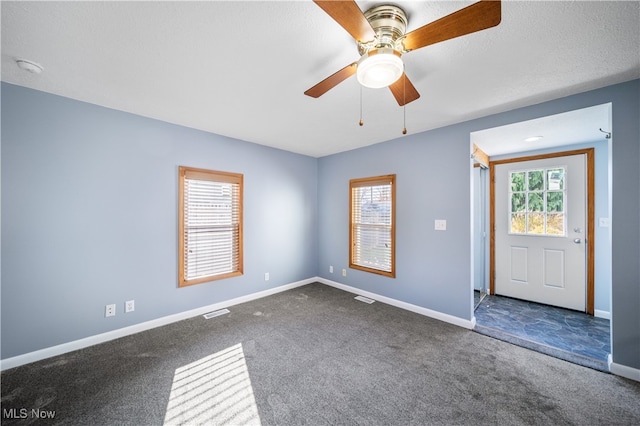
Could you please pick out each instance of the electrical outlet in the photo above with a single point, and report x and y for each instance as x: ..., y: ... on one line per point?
x: 129, y: 306
x: 344, y: 272
x: 331, y: 269
x: 110, y: 310
x: 266, y: 276
x: 440, y: 225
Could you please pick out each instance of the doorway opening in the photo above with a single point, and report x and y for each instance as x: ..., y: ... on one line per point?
x: 577, y: 132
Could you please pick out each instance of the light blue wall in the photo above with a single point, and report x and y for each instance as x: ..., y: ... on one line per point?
x: 432, y: 177
x: 625, y: 222
x: 89, y: 217
x: 76, y: 235
x: 602, y: 266
x: 433, y: 182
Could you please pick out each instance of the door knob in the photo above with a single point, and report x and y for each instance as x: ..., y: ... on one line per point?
x: 577, y: 241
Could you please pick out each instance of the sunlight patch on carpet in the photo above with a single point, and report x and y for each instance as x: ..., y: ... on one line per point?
x: 215, y: 389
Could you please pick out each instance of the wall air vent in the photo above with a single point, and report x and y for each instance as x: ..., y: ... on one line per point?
x: 216, y: 313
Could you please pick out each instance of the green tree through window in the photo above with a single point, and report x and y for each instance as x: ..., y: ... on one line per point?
x: 537, y: 202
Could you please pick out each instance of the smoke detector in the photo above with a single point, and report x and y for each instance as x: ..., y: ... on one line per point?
x: 29, y: 66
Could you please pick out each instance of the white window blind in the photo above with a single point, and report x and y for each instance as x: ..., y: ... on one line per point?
x: 372, y: 224
x: 211, y: 225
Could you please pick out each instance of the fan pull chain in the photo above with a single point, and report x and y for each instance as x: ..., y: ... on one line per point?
x: 404, y: 103
x: 361, y: 123
x: 404, y: 118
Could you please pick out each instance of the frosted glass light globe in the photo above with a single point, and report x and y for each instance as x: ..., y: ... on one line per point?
x: 379, y: 68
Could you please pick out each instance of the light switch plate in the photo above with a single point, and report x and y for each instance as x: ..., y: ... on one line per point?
x: 440, y: 225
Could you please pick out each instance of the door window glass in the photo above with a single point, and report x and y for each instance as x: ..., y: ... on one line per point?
x: 537, y: 202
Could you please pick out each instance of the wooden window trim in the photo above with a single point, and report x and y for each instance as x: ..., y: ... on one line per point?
x: 374, y: 181
x: 215, y: 176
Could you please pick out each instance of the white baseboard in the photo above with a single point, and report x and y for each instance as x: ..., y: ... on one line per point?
x: 468, y: 324
x: 623, y: 370
x: 41, y: 354
x: 5, y: 364
x: 602, y: 314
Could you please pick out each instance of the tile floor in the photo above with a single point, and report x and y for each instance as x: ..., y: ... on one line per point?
x: 566, y: 334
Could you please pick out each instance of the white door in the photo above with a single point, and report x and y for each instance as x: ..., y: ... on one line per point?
x: 540, y: 225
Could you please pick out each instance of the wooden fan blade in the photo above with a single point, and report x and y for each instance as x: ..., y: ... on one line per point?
x: 350, y: 17
x: 332, y: 81
x: 404, y: 91
x: 479, y: 16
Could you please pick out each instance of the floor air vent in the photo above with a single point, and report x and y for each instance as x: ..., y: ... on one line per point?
x: 216, y: 313
x: 364, y: 299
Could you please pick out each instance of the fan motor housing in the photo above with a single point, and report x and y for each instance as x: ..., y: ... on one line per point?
x: 390, y: 24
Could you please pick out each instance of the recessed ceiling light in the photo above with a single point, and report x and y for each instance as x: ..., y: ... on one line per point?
x: 533, y: 138
x: 29, y: 66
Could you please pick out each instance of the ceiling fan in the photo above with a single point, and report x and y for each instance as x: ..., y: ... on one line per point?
x: 381, y: 39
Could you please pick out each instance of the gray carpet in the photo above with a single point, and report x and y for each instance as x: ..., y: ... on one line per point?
x: 314, y: 356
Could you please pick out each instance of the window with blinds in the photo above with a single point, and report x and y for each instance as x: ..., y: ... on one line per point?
x: 372, y: 225
x: 210, y: 210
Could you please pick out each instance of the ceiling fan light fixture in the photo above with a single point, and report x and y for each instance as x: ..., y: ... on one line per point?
x: 379, y: 68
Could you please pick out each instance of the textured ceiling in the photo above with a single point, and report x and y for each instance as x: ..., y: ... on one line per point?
x: 240, y: 68
x: 589, y: 124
